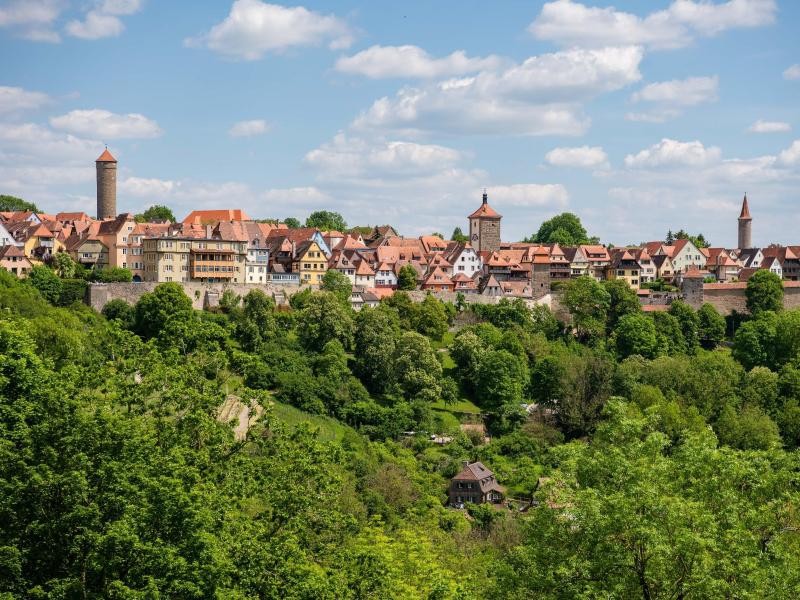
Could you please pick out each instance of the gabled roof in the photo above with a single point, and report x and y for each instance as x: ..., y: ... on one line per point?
x: 437, y: 277
x: 206, y: 217
x: 72, y: 216
x: 364, y: 269
x: 113, y: 226
x: 10, y: 251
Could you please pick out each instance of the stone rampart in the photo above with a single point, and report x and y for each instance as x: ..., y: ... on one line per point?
x: 203, y: 295
x: 419, y: 296
x: 730, y: 297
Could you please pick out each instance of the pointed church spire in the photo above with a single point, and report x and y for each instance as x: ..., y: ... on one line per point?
x: 745, y: 214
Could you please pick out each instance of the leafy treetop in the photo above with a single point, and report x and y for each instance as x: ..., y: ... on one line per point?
x: 12, y: 203
x: 326, y: 220
x: 565, y: 229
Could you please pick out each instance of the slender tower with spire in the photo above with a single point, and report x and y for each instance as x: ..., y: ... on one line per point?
x: 745, y: 227
x: 106, y: 185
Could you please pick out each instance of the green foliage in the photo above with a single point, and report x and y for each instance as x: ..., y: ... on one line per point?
x: 711, y: 326
x: 565, y: 229
x: 322, y: 319
x: 157, y: 212
x: 622, y: 301
x: 764, y: 292
x: 417, y: 372
x: 337, y: 284
x: 689, y: 323
x: 459, y: 236
x: 112, y: 275
x: 155, y: 308
x: 292, y: 223
x: 63, y: 265
x: 121, y: 311
x: 376, y: 332
x: 588, y: 303
x: 12, y: 204
x: 326, y: 220
x: 46, y: 282
x: 407, y: 278
x: 636, y: 334
x: 72, y: 291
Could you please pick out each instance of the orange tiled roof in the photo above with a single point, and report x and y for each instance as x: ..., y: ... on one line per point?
x: 106, y: 157
x: 205, y: 217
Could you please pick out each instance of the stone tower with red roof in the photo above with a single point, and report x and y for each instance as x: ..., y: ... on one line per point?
x: 106, y: 185
x: 484, y: 227
x: 745, y: 227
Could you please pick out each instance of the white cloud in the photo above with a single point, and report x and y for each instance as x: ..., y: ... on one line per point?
x: 790, y: 156
x: 106, y: 125
x: 103, y: 20
x: 13, y: 99
x: 254, y: 28
x: 680, y: 92
x: 347, y: 157
x: 582, y: 157
x: 570, y: 23
x: 769, y: 127
x: 551, y: 196
x: 540, y: 96
x: 383, y: 62
x: 29, y: 143
x: 296, y: 196
x: 147, y: 187
x: 32, y: 19
x: 792, y: 72
x: 669, y: 98
x: 670, y: 153
x: 249, y: 128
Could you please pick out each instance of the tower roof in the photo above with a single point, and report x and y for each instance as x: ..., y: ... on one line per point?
x: 106, y: 156
x: 745, y: 214
x: 485, y: 210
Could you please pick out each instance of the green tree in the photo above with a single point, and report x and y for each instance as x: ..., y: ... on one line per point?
x: 787, y: 337
x: 588, y: 303
x: 155, y: 308
x: 338, y: 284
x: 323, y: 319
x: 63, y: 265
x: 501, y: 381
x: 157, y: 212
x: 14, y: 204
x: 43, y: 279
x: 565, y: 228
x: 622, y: 301
x: 292, y: 223
x: 112, y: 275
x: 636, y: 334
x: 669, y: 333
x: 407, y: 278
x: 121, y: 311
x: 754, y: 342
x: 430, y: 318
x: 711, y: 326
x: 376, y: 333
x: 689, y: 323
x: 459, y: 236
x: 326, y: 220
x: 417, y: 371
x: 764, y: 292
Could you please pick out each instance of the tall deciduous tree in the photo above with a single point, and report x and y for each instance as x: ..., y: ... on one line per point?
x: 565, y: 228
x: 622, y: 301
x: 12, y: 204
x: 326, y: 220
x: 711, y: 326
x: 376, y: 334
x: 407, y: 278
x: 337, y: 284
x: 323, y: 319
x: 155, y: 308
x: 417, y: 371
x: 635, y: 334
x: 157, y: 212
x: 588, y: 303
x: 764, y: 292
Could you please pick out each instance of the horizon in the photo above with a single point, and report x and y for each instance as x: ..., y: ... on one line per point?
x: 403, y: 114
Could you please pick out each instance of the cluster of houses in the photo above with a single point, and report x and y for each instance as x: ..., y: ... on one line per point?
x: 228, y: 246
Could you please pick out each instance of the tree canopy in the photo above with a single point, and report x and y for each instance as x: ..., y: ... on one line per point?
x: 764, y: 292
x: 12, y: 203
x: 565, y: 229
x: 326, y: 220
x: 155, y: 213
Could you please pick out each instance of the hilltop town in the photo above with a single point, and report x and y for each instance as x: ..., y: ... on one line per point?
x: 227, y: 246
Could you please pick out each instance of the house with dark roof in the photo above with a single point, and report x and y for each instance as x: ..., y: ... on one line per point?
x: 475, y: 483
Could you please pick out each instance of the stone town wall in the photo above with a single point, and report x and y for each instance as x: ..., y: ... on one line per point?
x: 203, y: 295
x: 729, y: 297
x: 419, y: 296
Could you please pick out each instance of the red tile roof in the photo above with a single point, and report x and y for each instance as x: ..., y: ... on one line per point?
x: 485, y: 211
x: 745, y: 214
x: 106, y: 157
x: 205, y: 217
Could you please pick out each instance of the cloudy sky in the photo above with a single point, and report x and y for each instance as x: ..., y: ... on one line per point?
x: 637, y: 116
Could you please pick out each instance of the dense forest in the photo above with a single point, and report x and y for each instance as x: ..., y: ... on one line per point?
x: 646, y: 455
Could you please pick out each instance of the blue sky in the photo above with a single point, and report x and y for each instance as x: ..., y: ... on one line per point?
x: 637, y: 116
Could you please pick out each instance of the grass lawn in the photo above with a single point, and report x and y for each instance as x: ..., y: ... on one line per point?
x: 329, y: 429
x: 462, y: 406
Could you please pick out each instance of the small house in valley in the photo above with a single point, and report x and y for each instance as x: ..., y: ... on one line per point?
x: 475, y: 483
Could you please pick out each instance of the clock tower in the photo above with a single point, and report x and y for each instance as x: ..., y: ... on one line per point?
x: 484, y: 227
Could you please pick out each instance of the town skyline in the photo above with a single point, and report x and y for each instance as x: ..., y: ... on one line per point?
x: 664, y: 125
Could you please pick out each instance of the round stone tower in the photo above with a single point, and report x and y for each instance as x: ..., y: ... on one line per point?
x: 745, y: 227
x: 106, y: 185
